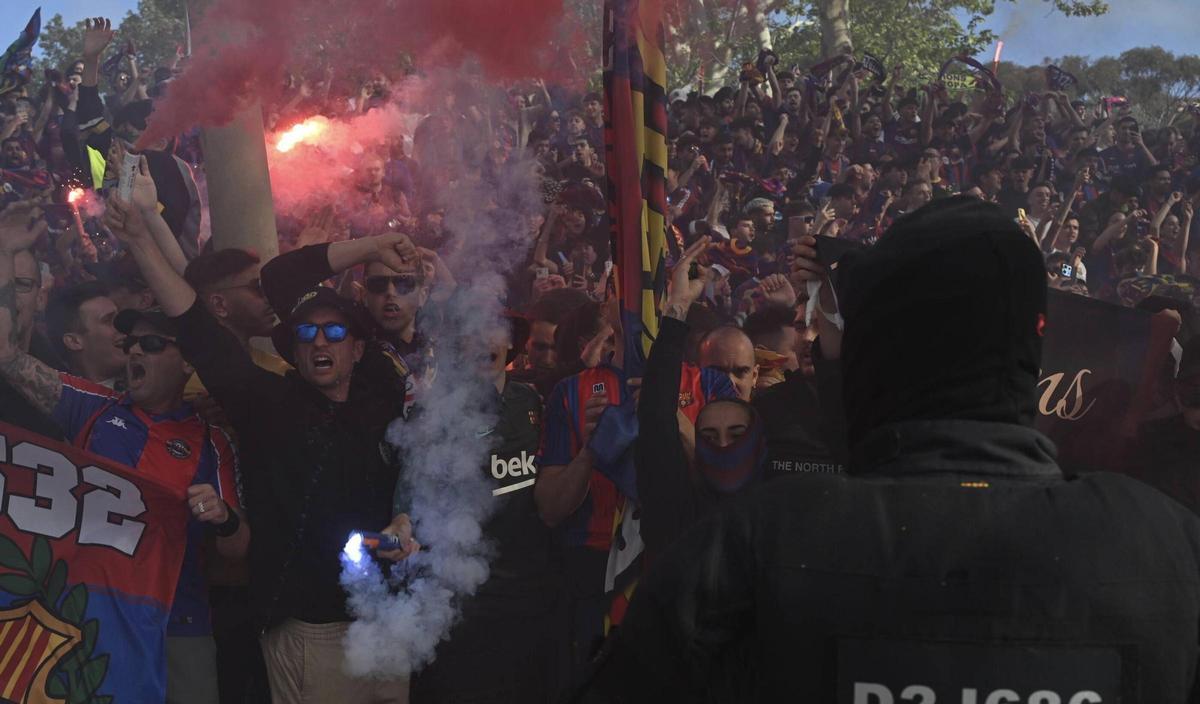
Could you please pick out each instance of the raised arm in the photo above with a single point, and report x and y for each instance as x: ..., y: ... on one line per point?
x: 20, y: 226
x: 44, y: 114
x: 662, y: 462
x: 1115, y: 226
x: 144, y: 197
x: 978, y: 132
x: 1064, y: 210
x: 288, y: 276
x: 1064, y: 107
x: 1014, y: 130
x: 776, y: 143
x: 742, y: 96
x: 542, y: 247
x: 132, y: 226
x: 1141, y: 145
x: 927, y: 115
x: 133, y: 92
x: 1186, y: 224
x: 224, y: 366
x: 97, y: 35
x: 713, y: 217
x: 855, y: 121
x: 773, y: 81
x: 893, y: 84
x: 89, y: 109
x: 1164, y: 211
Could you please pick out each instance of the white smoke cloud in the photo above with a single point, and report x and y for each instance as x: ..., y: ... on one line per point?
x: 445, y: 443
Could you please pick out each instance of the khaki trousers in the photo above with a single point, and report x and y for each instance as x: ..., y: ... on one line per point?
x: 305, y: 665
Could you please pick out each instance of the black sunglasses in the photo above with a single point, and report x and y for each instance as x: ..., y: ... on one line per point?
x: 379, y: 284
x: 150, y: 344
x: 255, y: 286
x: 334, y: 332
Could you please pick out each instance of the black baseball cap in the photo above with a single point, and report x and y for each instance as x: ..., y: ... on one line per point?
x: 128, y: 319
x: 320, y: 297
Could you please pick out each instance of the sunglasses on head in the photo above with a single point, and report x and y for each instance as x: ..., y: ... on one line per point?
x: 334, y: 332
x: 150, y: 344
x: 379, y: 284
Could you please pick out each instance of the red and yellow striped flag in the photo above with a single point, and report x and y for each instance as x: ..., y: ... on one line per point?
x: 635, y: 79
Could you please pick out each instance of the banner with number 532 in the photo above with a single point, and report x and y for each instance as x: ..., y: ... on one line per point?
x: 90, y: 552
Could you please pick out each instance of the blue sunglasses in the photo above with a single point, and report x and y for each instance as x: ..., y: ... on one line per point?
x: 334, y: 332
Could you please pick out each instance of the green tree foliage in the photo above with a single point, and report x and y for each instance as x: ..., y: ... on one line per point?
x: 1159, y: 84
x: 920, y: 34
x: 711, y: 38
x: 156, y: 28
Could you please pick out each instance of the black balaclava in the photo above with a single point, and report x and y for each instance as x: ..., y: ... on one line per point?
x: 944, y: 318
x: 730, y: 469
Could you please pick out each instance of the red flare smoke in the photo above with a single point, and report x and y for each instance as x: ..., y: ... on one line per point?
x: 244, y: 48
x: 307, y: 132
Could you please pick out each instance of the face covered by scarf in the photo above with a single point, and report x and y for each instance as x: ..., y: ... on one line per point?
x: 730, y: 468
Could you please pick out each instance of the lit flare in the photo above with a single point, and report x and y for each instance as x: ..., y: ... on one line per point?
x: 306, y: 132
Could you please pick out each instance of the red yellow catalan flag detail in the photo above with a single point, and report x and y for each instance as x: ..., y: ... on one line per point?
x: 32, y: 641
x: 635, y: 78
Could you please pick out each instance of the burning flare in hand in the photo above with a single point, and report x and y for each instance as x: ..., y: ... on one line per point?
x: 306, y: 132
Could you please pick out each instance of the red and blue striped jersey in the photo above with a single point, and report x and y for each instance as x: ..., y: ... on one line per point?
x: 562, y: 439
x: 178, y: 449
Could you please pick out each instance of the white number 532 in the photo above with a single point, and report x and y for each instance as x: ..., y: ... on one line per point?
x: 104, y: 514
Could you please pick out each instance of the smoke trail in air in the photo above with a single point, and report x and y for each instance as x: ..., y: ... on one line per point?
x: 446, y: 441
x: 243, y: 49
x: 461, y: 50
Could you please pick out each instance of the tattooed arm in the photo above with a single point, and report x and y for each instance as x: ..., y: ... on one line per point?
x: 39, y: 384
x: 20, y: 225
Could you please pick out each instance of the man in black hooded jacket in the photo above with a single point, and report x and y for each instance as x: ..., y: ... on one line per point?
x: 954, y: 563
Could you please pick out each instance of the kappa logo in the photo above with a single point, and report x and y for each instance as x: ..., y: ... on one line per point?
x: 118, y: 422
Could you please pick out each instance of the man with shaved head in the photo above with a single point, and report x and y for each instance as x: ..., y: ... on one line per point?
x: 729, y: 350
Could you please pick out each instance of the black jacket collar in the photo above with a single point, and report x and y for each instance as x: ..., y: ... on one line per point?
x: 957, y: 447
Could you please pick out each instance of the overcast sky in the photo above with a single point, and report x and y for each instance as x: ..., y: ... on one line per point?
x: 1029, y: 31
